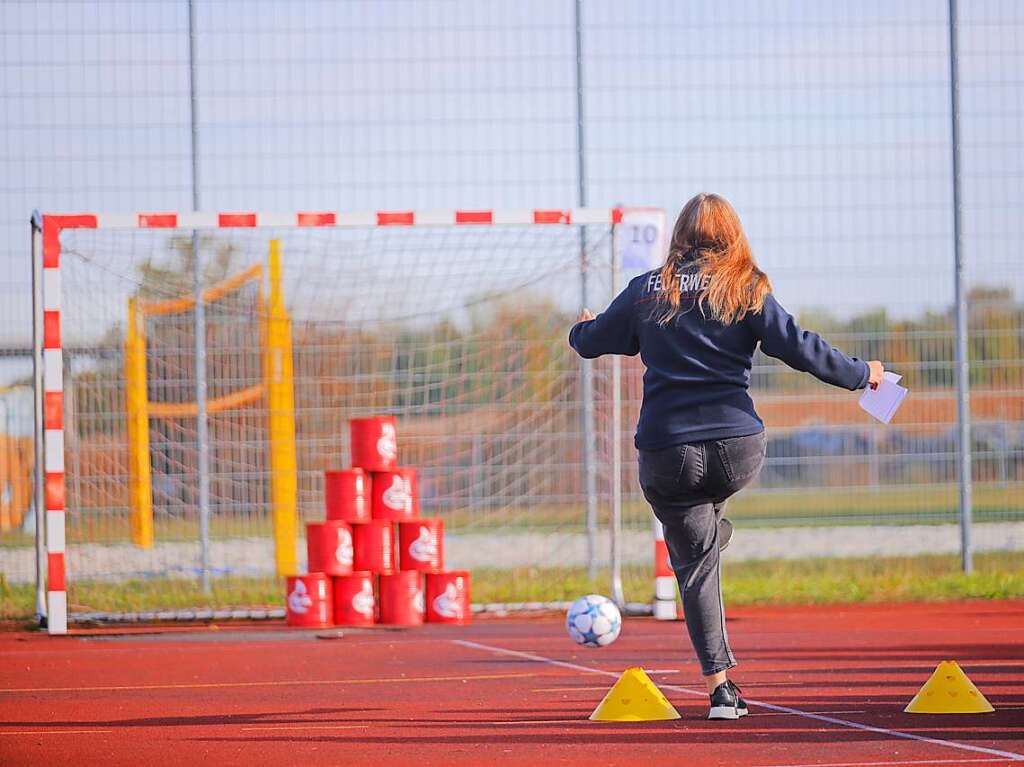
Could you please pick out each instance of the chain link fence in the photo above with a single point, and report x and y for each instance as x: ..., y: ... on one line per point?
x: 826, y: 124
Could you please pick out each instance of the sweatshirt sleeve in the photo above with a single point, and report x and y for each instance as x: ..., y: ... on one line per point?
x: 804, y: 350
x: 613, y: 331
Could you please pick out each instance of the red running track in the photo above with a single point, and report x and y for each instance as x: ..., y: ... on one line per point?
x: 831, y: 683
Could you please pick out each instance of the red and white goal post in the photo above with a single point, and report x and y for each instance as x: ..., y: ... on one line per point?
x: 50, y: 230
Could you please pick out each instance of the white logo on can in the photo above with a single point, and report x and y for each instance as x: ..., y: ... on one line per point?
x: 387, y: 443
x: 419, y: 602
x: 299, y: 600
x: 424, y: 548
x: 446, y: 604
x: 344, y: 552
x: 398, y: 497
x: 362, y: 601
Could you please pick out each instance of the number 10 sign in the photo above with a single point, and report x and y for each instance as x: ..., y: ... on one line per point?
x: 641, y: 239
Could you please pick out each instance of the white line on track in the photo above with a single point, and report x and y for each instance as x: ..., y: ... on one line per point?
x: 833, y: 713
x: 770, y: 706
x: 884, y: 764
x: 767, y: 713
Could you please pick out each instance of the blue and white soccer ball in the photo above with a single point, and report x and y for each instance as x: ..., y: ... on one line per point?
x: 593, y: 621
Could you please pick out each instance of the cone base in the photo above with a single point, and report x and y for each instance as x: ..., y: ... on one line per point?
x: 633, y: 718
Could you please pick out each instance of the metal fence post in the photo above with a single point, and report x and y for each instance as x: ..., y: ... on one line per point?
x: 587, y: 366
x: 963, y: 383
x: 202, y: 422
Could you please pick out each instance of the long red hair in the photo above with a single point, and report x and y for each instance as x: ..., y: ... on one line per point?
x: 709, y: 231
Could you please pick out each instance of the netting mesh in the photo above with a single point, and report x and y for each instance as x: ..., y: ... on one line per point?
x: 460, y: 332
x: 236, y: 413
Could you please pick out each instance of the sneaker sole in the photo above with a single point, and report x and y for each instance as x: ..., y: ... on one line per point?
x: 726, y: 712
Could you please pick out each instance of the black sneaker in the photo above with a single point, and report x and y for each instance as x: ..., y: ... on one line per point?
x: 724, y: 533
x: 726, y: 702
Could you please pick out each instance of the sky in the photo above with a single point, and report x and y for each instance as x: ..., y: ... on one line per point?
x: 826, y: 123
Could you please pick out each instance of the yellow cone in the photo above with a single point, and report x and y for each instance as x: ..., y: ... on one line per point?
x: 634, y: 698
x: 948, y: 691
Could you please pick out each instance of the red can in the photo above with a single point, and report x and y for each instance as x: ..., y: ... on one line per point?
x: 374, y: 546
x: 347, y: 495
x: 329, y: 547
x: 308, y: 603
x: 354, y: 603
x: 421, y: 545
x: 401, y: 598
x: 448, y: 597
x: 374, y: 443
x: 395, y: 495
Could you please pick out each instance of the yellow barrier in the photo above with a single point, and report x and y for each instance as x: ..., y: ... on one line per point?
x: 281, y: 420
x: 140, y: 486
x: 277, y: 385
x: 240, y: 398
x: 185, y: 303
x: 16, y: 467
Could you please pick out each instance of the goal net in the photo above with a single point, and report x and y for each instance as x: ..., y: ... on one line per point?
x: 456, y: 324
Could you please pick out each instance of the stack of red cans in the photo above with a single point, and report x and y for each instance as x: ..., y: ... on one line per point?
x: 382, y: 561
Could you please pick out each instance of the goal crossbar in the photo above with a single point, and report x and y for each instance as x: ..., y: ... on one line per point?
x: 252, y: 219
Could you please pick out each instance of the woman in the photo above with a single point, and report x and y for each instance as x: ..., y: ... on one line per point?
x: 696, y: 323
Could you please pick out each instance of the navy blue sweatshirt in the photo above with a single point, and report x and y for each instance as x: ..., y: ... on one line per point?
x: 697, y: 369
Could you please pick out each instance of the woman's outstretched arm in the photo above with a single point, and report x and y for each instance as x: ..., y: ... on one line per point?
x: 613, y: 331
x: 808, y: 352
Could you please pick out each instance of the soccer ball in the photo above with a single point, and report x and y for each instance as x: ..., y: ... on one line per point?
x: 593, y: 621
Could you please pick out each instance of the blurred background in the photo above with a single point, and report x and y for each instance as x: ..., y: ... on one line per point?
x: 827, y: 124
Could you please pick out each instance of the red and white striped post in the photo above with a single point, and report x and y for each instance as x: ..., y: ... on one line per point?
x: 664, y: 578
x: 53, y: 418
x: 51, y: 391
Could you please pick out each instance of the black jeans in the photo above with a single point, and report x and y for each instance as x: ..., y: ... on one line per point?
x: 687, y: 486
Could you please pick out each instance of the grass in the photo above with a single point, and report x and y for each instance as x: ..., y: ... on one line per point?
x: 998, y: 575
x: 926, y: 504
x: 935, y: 578
x: 17, y: 601
x: 876, y: 506
x: 766, y: 508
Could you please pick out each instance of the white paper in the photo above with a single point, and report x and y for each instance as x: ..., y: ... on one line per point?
x: 883, y: 402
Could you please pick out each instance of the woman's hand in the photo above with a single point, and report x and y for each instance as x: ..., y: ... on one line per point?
x: 875, y: 376
x: 585, y: 315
